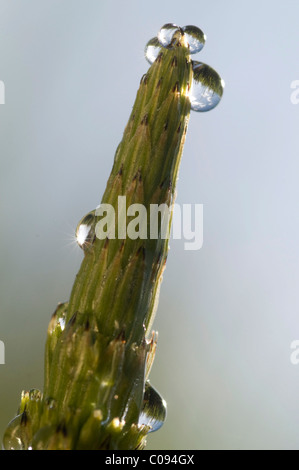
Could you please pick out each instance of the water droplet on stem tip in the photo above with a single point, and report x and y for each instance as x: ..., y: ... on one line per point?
x: 207, y: 88
x: 152, y: 50
x: 195, y: 38
x: 166, y: 34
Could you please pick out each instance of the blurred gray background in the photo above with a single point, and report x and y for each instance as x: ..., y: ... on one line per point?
x: 229, y: 312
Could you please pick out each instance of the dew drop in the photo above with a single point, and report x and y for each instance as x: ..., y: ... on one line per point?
x: 195, y: 38
x: 166, y: 33
x: 154, y: 409
x: 61, y: 322
x: 152, y: 50
x: 206, y: 89
x: 15, y: 437
x: 57, y: 323
x: 85, y: 231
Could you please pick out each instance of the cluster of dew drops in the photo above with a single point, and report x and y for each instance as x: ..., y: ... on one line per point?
x: 17, y: 435
x: 207, y: 86
x: 205, y: 93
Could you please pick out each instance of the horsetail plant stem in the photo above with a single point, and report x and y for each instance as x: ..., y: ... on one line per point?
x: 100, y: 346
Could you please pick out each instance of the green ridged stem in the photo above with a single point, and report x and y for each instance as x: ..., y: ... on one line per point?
x: 96, y: 367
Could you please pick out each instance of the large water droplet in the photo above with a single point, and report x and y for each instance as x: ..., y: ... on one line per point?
x: 152, y: 50
x: 154, y: 409
x: 15, y: 437
x: 85, y: 231
x: 166, y: 33
x: 206, y: 89
x: 195, y: 38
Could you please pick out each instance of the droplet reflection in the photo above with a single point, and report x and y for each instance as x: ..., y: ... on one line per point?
x: 195, y: 38
x: 15, y: 435
x: 152, y: 50
x: 166, y: 33
x: 85, y: 231
x: 206, y: 89
x: 154, y: 409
